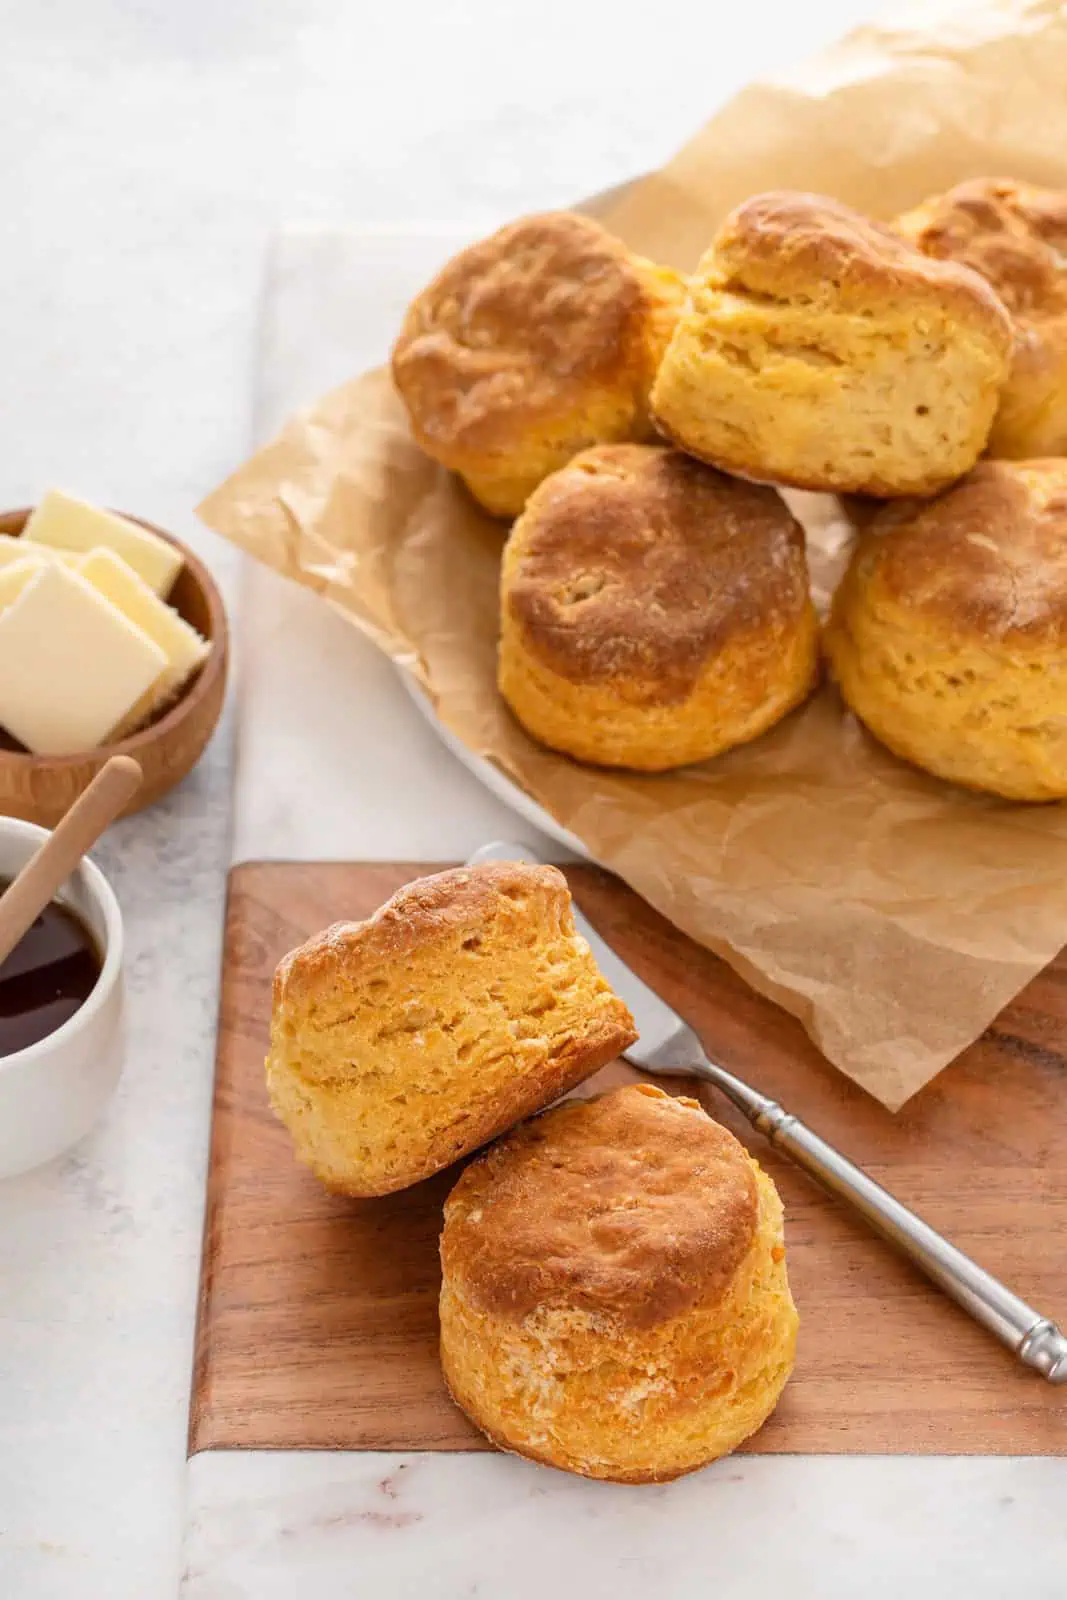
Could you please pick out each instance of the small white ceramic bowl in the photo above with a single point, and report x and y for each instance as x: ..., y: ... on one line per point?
x: 52, y: 1092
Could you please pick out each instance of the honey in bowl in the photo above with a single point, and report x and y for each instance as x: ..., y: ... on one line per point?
x: 48, y: 976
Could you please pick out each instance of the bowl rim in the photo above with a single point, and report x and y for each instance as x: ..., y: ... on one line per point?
x: 214, y: 666
x: 110, y: 968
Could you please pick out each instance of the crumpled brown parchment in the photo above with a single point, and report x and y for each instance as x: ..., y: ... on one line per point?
x: 894, y: 915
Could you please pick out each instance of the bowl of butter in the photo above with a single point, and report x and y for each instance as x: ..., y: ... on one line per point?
x: 113, y: 639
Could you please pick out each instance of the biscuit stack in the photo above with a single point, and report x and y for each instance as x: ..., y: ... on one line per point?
x: 614, y: 1297
x: 654, y: 597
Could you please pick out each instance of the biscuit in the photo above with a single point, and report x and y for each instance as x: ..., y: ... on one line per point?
x: 819, y: 350
x: 466, y: 1002
x: 654, y: 612
x: 530, y: 346
x: 614, y: 1297
x: 948, y: 633
x: 1015, y: 235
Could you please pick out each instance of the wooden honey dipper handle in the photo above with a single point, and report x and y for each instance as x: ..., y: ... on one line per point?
x: 74, y: 836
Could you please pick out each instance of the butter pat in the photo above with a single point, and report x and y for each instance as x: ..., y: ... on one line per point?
x: 23, y: 549
x: 68, y: 524
x: 14, y: 578
x: 183, y: 647
x: 71, y: 665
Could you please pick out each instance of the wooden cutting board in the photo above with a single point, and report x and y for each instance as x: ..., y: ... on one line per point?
x: 318, y: 1321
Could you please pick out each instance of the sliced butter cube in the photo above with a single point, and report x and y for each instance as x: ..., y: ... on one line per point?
x: 12, y: 549
x: 47, y: 552
x: 185, y: 650
x: 69, y: 524
x: 71, y: 665
x: 14, y: 578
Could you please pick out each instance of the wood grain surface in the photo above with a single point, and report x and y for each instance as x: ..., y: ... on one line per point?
x: 318, y: 1322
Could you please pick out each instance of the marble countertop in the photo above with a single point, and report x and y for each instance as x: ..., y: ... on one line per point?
x: 152, y: 150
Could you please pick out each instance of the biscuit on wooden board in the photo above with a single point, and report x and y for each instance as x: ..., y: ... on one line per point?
x: 614, y: 1297
x: 467, y: 1002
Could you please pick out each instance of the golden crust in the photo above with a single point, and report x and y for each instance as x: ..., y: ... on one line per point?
x: 1015, y: 236
x: 530, y: 346
x: 614, y: 1298
x: 986, y: 560
x: 654, y: 611
x: 948, y: 630
x: 635, y: 1204
x: 641, y: 561
x: 820, y: 350
x: 466, y: 1003
x: 425, y: 912
x: 788, y: 244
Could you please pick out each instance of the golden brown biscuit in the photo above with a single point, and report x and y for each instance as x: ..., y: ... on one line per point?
x: 948, y: 635
x: 1015, y: 235
x: 820, y: 350
x: 467, y: 1002
x: 653, y: 611
x: 530, y: 346
x: 614, y: 1297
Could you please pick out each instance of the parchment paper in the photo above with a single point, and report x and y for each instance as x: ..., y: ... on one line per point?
x: 894, y: 915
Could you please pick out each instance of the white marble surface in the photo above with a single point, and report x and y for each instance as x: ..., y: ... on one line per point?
x: 424, y: 1527
x: 392, y: 792
x: 150, y: 149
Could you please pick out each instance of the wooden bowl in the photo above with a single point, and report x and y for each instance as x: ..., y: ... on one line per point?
x: 41, y: 788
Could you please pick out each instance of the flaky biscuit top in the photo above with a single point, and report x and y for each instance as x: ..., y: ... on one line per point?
x: 637, y: 561
x: 791, y: 245
x: 986, y: 559
x: 1013, y: 234
x: 522, y: 325
x: 429, y: 911
x: 636, y: 1206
